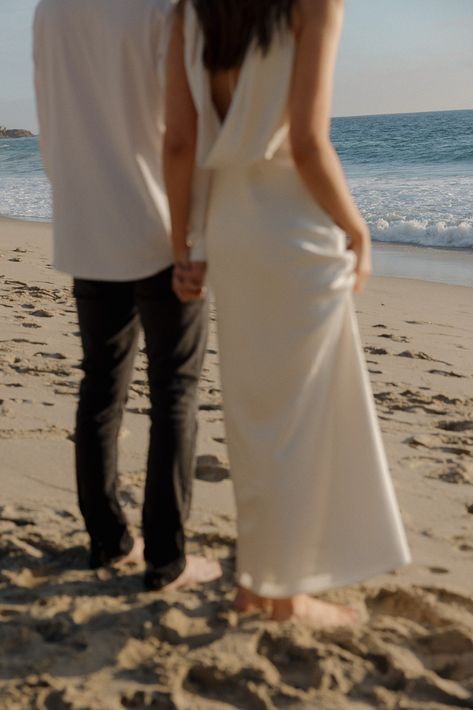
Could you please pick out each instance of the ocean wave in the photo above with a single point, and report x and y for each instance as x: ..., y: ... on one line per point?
x: 424, y: 233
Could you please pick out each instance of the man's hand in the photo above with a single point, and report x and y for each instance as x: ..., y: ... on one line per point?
x: 188, y: 280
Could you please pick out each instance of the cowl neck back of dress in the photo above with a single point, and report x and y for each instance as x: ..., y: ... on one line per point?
x: 255, y: 124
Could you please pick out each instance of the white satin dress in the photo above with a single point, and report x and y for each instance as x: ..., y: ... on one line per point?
x: 316, y: 505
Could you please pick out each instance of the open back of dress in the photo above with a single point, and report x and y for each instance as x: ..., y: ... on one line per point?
x: 316, y: 505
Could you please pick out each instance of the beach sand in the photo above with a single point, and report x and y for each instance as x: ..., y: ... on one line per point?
x: 72, y: 638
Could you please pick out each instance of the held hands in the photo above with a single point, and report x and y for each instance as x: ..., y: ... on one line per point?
x: 360, y: 244
x: 188, y: 280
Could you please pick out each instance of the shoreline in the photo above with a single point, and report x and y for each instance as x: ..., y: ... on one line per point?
x: 405, y: 261
x: 443, y: 266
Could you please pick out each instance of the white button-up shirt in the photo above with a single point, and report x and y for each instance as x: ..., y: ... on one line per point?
x: 100, y: 94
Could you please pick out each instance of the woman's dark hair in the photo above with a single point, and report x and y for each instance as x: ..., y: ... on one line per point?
x: 230, y: 26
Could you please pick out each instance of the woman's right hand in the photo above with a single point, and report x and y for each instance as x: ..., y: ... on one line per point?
x: 360, y: 243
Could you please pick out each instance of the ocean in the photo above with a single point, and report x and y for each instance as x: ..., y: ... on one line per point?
x: 411, y: 174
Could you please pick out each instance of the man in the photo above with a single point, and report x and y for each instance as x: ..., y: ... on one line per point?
x: 100, y: 95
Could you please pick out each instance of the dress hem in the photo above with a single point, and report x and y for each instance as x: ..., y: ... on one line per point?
x: 320, y: 583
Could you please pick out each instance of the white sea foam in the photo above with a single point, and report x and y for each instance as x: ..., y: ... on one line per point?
x: 26, y: 198
x: 424, y: 233
x: 426, y: 211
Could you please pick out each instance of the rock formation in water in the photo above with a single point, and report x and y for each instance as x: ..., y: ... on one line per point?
x: 14, y: 133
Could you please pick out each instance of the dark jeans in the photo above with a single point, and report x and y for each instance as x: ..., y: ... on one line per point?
x: 175, y: 333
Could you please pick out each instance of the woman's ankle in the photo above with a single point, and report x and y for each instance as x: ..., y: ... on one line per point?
x: 247, y: 601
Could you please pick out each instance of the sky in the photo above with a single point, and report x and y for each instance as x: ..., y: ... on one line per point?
x: 396, y: 56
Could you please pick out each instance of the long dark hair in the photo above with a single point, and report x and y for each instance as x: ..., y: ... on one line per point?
x: 230, y: 26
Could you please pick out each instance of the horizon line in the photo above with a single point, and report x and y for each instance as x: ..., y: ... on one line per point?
x: 402, y: 113
x: 35, y: 132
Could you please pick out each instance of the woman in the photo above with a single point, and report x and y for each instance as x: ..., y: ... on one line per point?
x: 249, y: 94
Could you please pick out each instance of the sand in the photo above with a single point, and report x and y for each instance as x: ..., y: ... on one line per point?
x: 71, y: 638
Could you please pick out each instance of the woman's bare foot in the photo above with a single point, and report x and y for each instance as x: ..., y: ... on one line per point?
x: 198, y: 570
x: 134, y: 557
x: 314, y: 612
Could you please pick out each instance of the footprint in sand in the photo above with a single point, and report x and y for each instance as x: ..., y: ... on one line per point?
x: 455, y: 473
x: 445, y: 373
x: 419, y: 356
x: 210, y: 407
x: 448, y: 445
x: 416, y: 606
x: 448, y: 400
x: 465, y: 547
x: 420, y: 462
x: 144, y: 699
x: 395, y: 338
x: 66, y: 388
x: 40, y: 313
x: 176, y: 627
x: 448, y: 641
x: 138, y: 410
x: 299, y: 666
x: 463, y: 425
x: 29, y: 342
x: 211, y: 469
x: 51, y: 356
x: 375, y: 351
x: 410, y: 401
x: 222, y: 685
x: 5, y: 410
x: 390, y: 663
x: 58, y: 629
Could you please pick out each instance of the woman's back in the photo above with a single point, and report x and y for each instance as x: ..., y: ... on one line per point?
x: 222, y: 89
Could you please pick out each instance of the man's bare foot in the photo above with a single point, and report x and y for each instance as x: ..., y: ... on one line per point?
x: 134, y: 557
x: 198, y: 570
x: 314, y: 612
x: 247, y: 602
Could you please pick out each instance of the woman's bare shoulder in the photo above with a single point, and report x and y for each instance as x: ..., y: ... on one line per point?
x: 315, y: 9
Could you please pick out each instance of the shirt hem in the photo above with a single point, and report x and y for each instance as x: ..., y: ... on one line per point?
x: 116, y: 276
